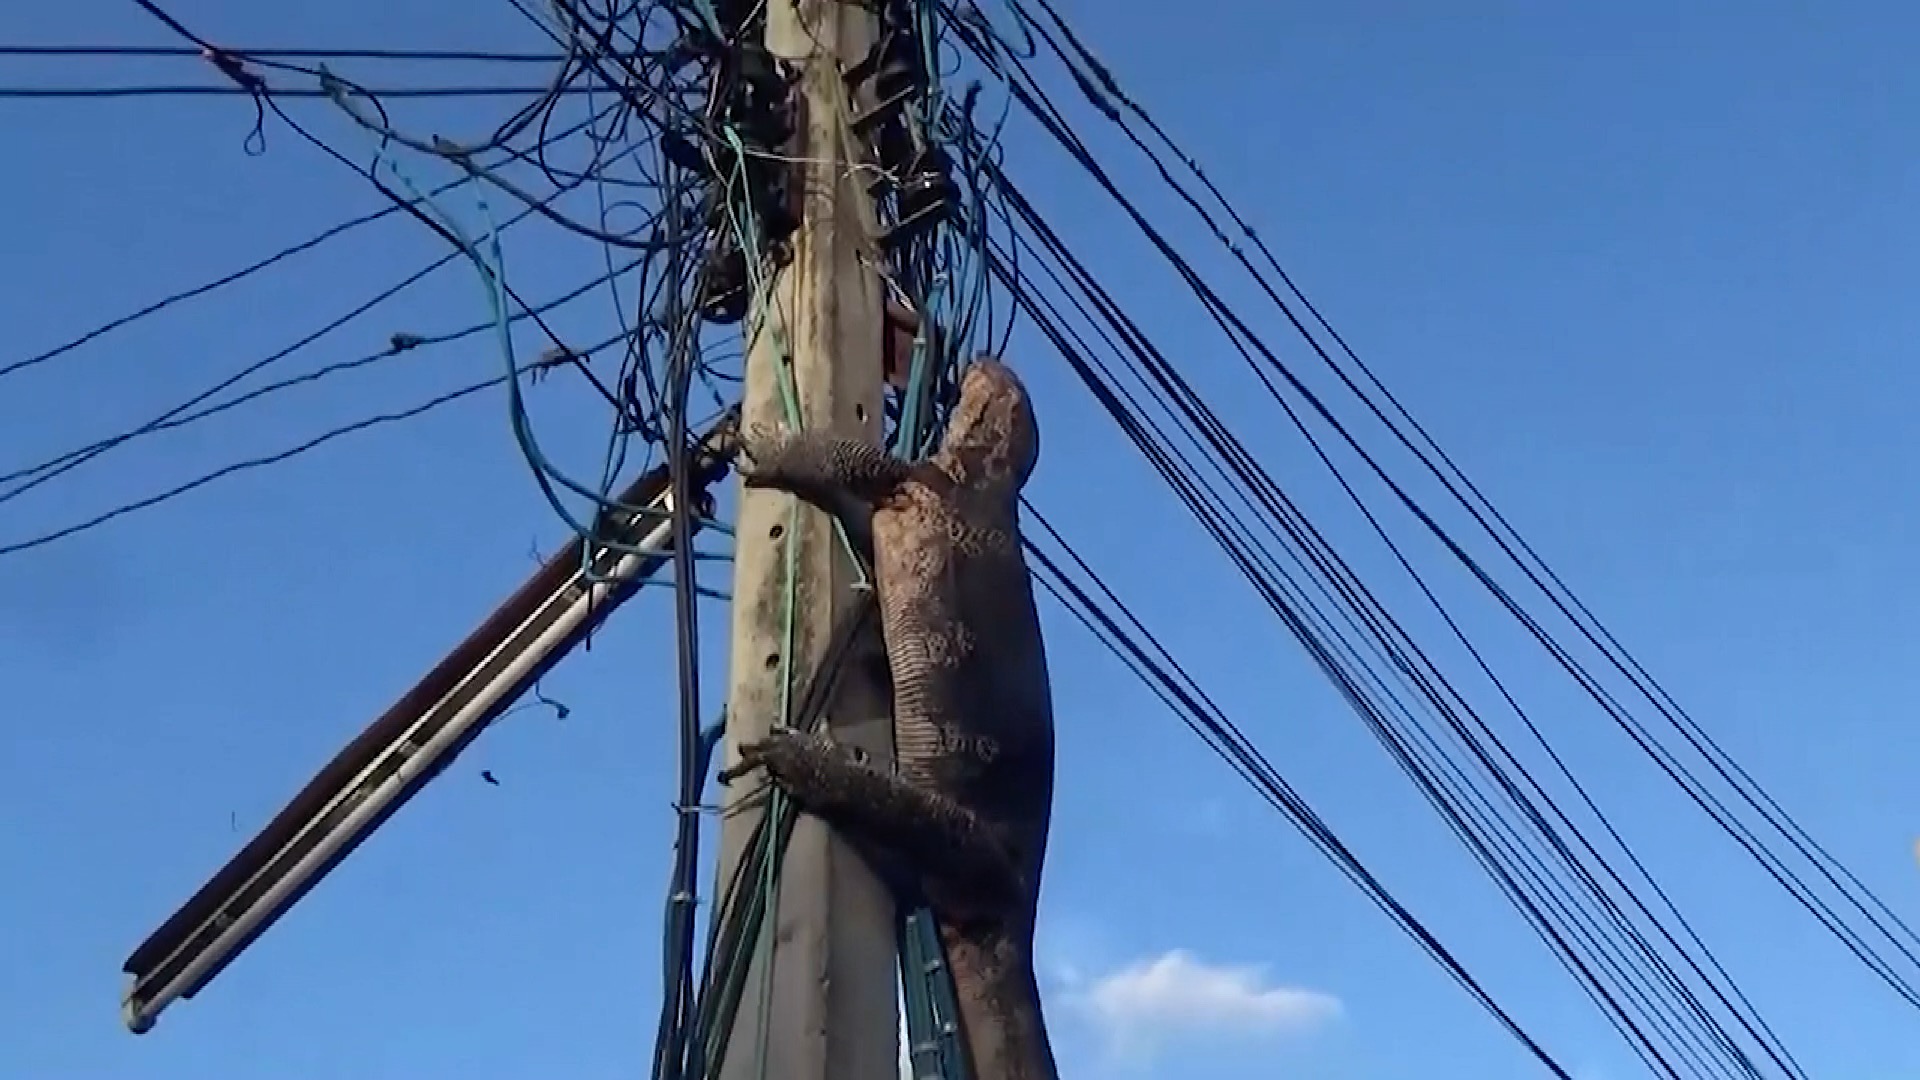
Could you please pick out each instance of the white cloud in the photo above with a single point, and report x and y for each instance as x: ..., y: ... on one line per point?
x: 1139, y: 1008
x: 1177, y: 994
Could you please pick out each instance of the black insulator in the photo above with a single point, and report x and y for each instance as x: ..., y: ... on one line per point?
x: 926, y: 197
x: 924, y: 191
x: 898, y: 145
x: 898, y: 75
x: 759, y: 101
x: 774, y: 202
x: 681, y: 55
x: 763, y: 128
x: 724, y: 300
x: 733, y: 15
x: 760, y: 73
x: 682, y: 152
x: 767, y: 185
x: 760, y: 121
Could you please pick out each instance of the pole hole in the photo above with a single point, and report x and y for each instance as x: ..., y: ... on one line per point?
x: 777, y: 532
x: 860, y: 412
x: 773, y: 660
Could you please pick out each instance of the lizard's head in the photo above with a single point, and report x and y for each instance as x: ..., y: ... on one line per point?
x: 992, y: 436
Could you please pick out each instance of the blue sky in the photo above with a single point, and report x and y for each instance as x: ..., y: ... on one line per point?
x: 1647, y: 274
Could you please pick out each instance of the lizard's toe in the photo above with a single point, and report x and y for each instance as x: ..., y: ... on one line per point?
x: 759, y: 456
x: 773, y: 752
x: 751, y: 758
x: 761, y: 440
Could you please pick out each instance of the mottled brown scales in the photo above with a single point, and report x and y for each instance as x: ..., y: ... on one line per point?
x: 966, y: 811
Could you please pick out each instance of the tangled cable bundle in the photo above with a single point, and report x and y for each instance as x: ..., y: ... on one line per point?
x: 662, y: 136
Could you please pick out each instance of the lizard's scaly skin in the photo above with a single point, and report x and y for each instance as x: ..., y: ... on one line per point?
x: 966, y: 813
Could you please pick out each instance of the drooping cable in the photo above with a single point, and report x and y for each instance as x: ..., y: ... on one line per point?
x: 1846, y: 898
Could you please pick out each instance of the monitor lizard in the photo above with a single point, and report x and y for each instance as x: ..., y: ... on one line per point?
x: 963, y: 817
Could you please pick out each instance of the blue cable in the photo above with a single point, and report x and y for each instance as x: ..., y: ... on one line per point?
x: 490, y: 264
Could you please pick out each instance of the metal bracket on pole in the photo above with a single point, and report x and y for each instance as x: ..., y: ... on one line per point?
x: 415, y: 740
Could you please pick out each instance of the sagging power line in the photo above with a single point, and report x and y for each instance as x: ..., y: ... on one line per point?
x: 698, y: 126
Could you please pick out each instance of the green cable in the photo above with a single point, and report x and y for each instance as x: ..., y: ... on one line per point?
x: 921, y: 944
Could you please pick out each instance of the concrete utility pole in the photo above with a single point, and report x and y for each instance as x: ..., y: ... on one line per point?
x: 831, y: 1013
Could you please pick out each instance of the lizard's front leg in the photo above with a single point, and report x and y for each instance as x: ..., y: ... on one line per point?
x: 842, y: 476
x: 819, y: 466
x: 943, y: 844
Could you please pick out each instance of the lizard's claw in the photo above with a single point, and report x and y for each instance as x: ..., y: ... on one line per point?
x: 771, y: 753
x: 749, y: 761
x: 758, y: 452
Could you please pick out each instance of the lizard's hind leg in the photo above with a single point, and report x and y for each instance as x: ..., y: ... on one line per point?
x: 925, y: 833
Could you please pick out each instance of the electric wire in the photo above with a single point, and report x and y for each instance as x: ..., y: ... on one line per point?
x: 1144, y: 655
x: 197, y: 53
x: 1099, y: 84
x: 179, y: 416
x: 1686, y: 1006
x: 1692, y: 1041
x: 148, y: 90
x: 231, y: 277
x: 1579, y: 887
x: 250, y: 464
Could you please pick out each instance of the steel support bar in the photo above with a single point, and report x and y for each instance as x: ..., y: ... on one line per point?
x: 415, y: 740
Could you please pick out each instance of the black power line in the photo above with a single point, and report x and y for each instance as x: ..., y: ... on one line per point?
x: 1656, y: 1005
x: 1148, y: 659
x: 1638, y: 988
x: 1103, y: 90
x: 251, y: 464
x: 185, y: 414
x: 197, y: 53
x: 97, y: 93
x: 255, y: 267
